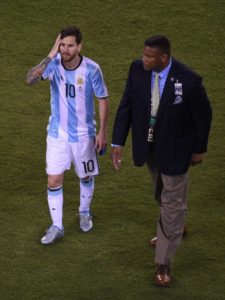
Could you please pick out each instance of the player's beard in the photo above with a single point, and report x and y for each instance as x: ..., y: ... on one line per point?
x: 67, y: 57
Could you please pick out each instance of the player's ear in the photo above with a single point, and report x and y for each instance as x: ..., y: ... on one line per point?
x: 79, y: 47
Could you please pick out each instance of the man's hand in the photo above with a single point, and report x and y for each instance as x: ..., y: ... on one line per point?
x: 100, y: 141
x: 55, y: 48
x: 34, y: 75
x: 101, y: 138
x: 196, y: 159
x: 116, y: 154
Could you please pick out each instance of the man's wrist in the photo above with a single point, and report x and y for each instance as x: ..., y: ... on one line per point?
x: 50, y: 57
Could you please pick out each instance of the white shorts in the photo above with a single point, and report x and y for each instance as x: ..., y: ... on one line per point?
x: 60, y: 154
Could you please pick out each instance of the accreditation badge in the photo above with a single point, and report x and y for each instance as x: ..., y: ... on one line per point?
x: 178, y: 88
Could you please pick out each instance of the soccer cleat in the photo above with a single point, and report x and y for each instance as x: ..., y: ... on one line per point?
x: 86, y: 222
x: 53, y: 233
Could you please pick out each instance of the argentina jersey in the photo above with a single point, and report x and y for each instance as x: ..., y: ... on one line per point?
x: 72, y: 99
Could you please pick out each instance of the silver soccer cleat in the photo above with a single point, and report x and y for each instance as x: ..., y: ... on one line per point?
x: 86, y: 222
x: 53, y: 233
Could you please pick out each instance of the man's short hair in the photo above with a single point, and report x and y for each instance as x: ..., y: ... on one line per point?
x: 72, y: 30
x: 159, y: 41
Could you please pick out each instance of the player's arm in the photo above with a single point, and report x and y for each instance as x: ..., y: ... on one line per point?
x: 101, y: 138
x: 35, y: 74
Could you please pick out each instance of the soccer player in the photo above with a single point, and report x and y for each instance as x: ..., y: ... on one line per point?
x: 71, y: 132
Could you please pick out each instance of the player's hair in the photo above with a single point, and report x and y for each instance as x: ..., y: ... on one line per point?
x: 159, y: 41
x: 72, y: 30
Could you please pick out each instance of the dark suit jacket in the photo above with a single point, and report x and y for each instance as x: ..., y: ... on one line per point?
x: 182, y: 127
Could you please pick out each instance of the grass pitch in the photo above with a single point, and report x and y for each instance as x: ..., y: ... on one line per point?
x: 113, y: 261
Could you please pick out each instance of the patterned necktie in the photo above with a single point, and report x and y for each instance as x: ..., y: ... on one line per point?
x: 155, y: 96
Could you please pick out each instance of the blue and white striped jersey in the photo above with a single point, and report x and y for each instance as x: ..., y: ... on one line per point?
x: 72, y: 99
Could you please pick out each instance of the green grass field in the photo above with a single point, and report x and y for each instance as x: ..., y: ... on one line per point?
x: 113, y: 261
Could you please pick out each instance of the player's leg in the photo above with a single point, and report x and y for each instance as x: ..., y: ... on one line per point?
x: 57, y: 161
x: 55, y: 199
x: 86, y: 167
x: 86, y: 194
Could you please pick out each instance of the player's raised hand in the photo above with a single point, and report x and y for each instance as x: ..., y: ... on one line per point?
x: 55, y: 48
x: 34, y: 74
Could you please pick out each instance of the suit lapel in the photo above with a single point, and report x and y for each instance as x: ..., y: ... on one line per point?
x: 147, y: 93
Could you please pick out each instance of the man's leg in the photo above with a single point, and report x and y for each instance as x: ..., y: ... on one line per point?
x: 55, y: 204
x: 86, y: 167
x: 86, y: 194
x: 55, y: 199
x: 158, y: 188
x: 57, y: 161
x: 172, y: 219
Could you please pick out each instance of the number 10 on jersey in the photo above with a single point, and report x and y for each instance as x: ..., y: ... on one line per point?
x: 70, y: 90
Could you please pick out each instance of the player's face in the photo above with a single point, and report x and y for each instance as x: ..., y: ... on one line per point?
x: 69, y: 48
x: 153, y: 59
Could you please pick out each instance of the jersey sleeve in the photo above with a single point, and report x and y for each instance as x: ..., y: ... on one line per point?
x: 99, y: 86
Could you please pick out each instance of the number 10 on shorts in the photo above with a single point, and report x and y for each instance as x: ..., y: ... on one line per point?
x: 88, y: 166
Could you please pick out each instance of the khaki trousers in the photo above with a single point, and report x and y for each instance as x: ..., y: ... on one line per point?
x: 171, y: 193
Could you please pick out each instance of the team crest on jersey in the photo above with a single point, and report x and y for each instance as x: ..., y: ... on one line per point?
x: 80, y: 81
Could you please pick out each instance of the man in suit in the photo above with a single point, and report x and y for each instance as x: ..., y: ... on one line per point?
x: 168, y: 111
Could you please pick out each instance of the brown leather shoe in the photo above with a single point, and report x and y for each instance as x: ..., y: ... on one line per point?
x: 162, y: 275
x: 153, y: 241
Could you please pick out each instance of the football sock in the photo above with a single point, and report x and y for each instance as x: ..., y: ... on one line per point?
x: 55, y: 204
x: 86, y: 193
